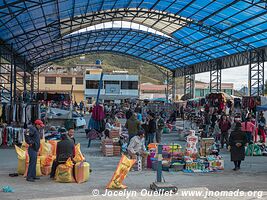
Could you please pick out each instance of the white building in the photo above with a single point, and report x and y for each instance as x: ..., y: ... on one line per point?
x: 115, y: 87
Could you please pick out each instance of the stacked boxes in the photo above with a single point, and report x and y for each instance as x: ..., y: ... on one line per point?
x: 111, y: 147
x: 206, y: 144
x: 116, y: 150
x: 107, y: 147
x: 114, y: 133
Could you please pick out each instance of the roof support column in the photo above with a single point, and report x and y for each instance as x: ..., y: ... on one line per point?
x: 189, y: 84
x: 11, y: 77
x: 24, y: 81
x: 216, y: 77
x: 256, y: 73
x: 173, y: 86
x: 32, y: 84
x: 15, y: 82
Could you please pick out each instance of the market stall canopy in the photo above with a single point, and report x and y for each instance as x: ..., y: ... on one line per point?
x: 171, y: 34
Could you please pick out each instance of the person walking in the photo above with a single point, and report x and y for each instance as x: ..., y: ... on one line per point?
x: 159, y: 127
x: 225, y: 126
x: 32, y: 138
x: 237, y: 141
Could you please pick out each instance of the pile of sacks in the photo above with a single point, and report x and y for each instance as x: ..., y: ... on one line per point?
x: 65, y: 173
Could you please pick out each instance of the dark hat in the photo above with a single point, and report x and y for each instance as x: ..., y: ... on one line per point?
x: 140, y: 132
x: 238, y: 125
x: 62, y: 130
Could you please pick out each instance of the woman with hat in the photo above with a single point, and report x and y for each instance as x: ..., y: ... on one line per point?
x: 237, y: 142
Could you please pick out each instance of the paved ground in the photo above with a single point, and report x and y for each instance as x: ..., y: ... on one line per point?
x: 252, y: 176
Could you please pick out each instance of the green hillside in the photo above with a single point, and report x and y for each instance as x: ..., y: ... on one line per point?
x: 149, y: 73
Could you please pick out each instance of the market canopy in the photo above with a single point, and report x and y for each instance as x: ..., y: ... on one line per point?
x: 177, y: 34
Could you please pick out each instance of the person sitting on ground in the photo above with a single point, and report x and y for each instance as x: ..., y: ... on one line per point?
x: 65, y: 150
x: 71, y: 134
x: 137, y: 147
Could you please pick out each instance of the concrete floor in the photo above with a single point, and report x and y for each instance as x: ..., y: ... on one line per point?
x: 252, y: 176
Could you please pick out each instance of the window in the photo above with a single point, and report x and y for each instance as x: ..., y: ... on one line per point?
x: 202, y: 92
x: 111, y: 83
x: 79, y: 80
x: 91, y: 84
x: 50, y: 80
x: 66, y: 80
x: 129, y: 85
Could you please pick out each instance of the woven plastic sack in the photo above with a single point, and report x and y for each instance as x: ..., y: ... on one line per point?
x: 45, y: 148
x: 38, y: 166
x: 121, y: 172
x: 78, y: 154
x: 24, y: 146
x: 64, y: 172
x: 21, y: 160
x: 47, y: 160
x: 82, y: 172
x: 53, y: 147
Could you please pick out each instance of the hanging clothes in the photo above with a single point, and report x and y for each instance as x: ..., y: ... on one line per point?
x: 1, y: 136
x: 9, y: 136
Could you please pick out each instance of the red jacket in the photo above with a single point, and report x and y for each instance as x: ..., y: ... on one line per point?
x: 224, y: 126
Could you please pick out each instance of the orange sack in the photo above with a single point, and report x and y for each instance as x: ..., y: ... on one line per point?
x: 121, y: 172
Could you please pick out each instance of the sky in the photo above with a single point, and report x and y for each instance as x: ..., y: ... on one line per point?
x: 237, y: 75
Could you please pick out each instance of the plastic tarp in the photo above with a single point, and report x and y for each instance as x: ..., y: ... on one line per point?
x: 261, y: 108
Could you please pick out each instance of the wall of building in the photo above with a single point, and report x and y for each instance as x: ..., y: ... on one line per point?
x: 204, y: 92
x: 78, y: 89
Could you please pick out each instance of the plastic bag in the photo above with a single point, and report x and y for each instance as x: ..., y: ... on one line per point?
x: 82, y: 172
x: 78, y: 154
x: 253, y: 149
x: 121, y: 172
x: 64, y: 172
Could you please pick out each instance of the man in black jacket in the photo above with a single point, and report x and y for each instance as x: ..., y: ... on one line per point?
x: 32, y: 138
x: 152, y: 127
x: 65, y: 150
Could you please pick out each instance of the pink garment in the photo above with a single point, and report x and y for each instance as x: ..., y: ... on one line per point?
x: 250, y: 127
x: 98, y: 113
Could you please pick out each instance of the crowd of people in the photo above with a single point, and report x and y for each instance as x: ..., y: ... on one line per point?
x: 145, y: 127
